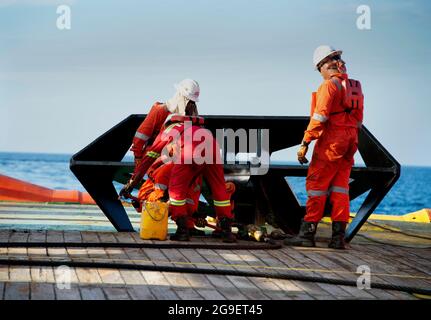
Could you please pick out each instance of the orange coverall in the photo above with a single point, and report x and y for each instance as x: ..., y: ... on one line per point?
x: 336, y: 132
x: 190, y: 167
x: 157, y: 183
x: 149, y: 129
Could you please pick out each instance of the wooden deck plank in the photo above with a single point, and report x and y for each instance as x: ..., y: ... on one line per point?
x: 132, y: 277
x: 245, y: 284
x: 193, y: 256
x: 140, y: 292
x: 92, y: 293
x: 42, y: 291
x: 4, y: 273
x: 96, y: 253
x: 354, y: 262
x: 17, y: 291
x: 88, y: 276
x: 163, y: 293
x: 72, y: 293
x: 383, y: 264
x: 72, y: 236
x: 176, y: 280
x: 213, y: 258
x: 211, y: 294
x: 18, y: 236
x: 187, y: 293
x: 310, y: 289
x: 292, y: 290
x: 2, y: 287
x: 110, y: 276
x: 42, y: 274
x: 356, y: 259
x: 19, y: 274
x: 57, y: 252
x: 226, y: 287
x: 159, y: 285
x: 248, y: 288
x: 36, y: 252
x: 124, y: 237
x: 107, y: 237
x: 4, y: 235
x: 37, y: 236
x: 54, y: 236
x: 90, y: 237
x: 115, y: 293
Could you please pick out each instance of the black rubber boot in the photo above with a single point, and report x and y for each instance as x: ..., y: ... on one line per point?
x: 338, y: 233
x: 182, y: 233
x: 226, y: 230
x: 305, y: 237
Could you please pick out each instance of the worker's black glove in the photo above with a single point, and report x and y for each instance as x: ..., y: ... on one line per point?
x: 302, y: 152
x: 126, y: 190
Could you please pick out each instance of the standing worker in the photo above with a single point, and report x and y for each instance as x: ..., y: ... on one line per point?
x: 187, y: 90
x: 336, y: 118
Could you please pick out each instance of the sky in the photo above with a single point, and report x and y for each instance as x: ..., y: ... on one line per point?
x: 61, y: 89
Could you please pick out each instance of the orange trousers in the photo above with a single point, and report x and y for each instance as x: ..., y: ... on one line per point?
x: 329, y: 172
x: 157, y: 184
x: 181, y: 178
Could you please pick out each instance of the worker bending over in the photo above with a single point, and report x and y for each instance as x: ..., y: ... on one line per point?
x: 186, y: 91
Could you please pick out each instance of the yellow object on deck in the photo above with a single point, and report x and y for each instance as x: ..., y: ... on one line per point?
x: 421, y: 216
x: 154, y: 221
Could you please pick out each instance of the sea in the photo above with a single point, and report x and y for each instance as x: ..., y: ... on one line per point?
x: 412, y: 191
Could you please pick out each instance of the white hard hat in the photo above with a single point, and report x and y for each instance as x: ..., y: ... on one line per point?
x: 322, y: 52
x: 189, y: 88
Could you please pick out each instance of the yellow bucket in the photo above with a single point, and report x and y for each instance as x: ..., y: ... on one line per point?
x: 154, y: 220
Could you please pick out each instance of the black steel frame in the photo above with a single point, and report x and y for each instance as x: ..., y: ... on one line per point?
x: 100, y: 163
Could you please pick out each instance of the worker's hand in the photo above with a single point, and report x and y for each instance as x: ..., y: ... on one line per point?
x: 302, y: 152
x: 126, y: 190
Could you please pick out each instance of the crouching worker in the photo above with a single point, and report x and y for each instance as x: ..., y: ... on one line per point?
x: 169, y: 145
x: 155, y: 189
x: 198, y: 154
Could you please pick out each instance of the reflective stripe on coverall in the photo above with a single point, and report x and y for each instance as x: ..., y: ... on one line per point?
x: 336, y: 132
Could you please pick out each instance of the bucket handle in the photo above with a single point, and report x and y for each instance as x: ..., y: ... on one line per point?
x: 149, y: 212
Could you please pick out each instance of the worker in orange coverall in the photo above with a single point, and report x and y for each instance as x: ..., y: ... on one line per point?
x: 171, y: 141
x: 336, y: 118
x: 155, y: 189
x: 187, y: 90
x: 198, y: 153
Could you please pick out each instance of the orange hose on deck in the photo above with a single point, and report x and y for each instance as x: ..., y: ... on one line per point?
x: 12, y: 189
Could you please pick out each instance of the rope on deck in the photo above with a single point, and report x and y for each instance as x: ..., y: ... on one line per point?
x: 224, y: 272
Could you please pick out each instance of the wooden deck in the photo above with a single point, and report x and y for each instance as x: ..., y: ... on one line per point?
x: 388, y: 264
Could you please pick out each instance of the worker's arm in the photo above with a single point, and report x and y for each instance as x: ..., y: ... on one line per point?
x: 324, y: 100
x: 151, y: 155
x: 145, y: 131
